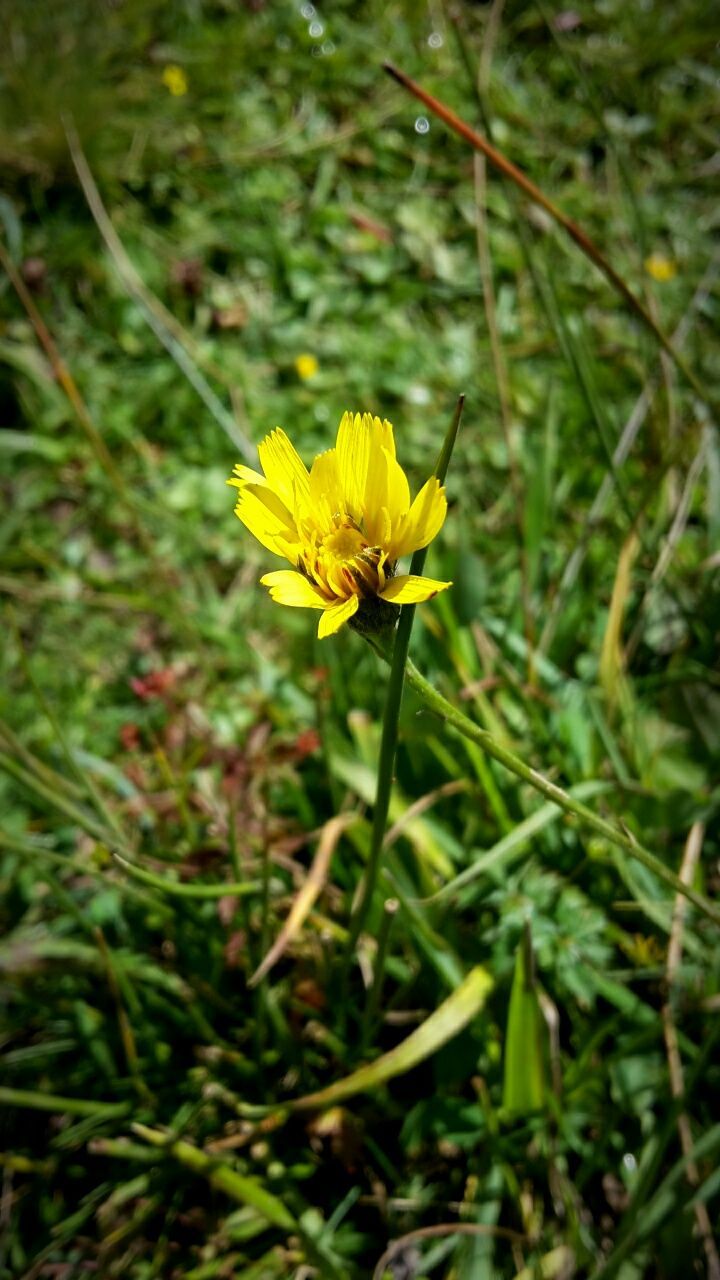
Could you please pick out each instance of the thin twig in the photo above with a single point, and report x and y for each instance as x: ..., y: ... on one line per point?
x: 538, y: 197
x: 445, y: 1229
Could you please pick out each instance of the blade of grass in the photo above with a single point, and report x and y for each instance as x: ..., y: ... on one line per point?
x: 125, y: 1027
x: 611, y: 670
x: 620, y: 454
x: 33, y: 849
x: 17, y: 749
x: 503, y: 385
x: 691, y: 856
x: 177, y: 889
x: 658, y: 1207
x: 83, y: 775
x: 372, y: 1006
x: 163, y: 324
x: 68, y: 1106
x: 244, y: 1190
x: 221, y: 1176
x: 307, y: 896
x: 58, y: 801
x: 670, y: 542
x: 524, y: 1085
x: 80, y: 409
x: 513, y: 844
x: 452, y: 1016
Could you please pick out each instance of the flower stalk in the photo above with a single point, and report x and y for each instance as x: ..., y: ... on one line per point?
x: 388, y: 743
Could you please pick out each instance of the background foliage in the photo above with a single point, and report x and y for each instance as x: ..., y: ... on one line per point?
x: 279, y: 197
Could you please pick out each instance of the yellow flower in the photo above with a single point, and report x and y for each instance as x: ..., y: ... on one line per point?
x: 660, y: 268
x: 343, y: 525
x: 306, y: 366
x: 175, y: 80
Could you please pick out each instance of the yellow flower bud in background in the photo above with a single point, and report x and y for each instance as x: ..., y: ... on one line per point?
x: 175, y: 80
x: 660, y: 268
x: 306, y: 366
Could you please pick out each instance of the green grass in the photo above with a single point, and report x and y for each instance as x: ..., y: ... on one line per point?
x: 157, y: 709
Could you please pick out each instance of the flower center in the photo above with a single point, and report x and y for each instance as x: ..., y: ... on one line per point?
x: 344, y: 543
x: 341, y: 563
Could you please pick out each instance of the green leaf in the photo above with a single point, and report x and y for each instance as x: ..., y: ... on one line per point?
x: 524, y: 1080
x: 451, y: 1017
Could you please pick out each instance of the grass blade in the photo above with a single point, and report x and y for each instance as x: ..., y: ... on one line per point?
x: 447, y: 1021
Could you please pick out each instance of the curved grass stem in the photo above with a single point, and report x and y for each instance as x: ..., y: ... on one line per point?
x: 450, y: 714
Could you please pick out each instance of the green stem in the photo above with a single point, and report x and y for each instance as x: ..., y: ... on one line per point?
x: 32, y: 850
x: 67, y: 1106
x: 178, y: 889
x: 388, y: 743
x: 447, y: 712
x: 221, y: 1175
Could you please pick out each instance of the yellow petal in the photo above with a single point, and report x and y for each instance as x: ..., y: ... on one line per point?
x: 398, y: 497
x: 262, y: 512
x: 333, y: 618
x: 326, y: 498
x: 409, y: 588
x: 423, y: 521
x: 285, y: 470
x: 381, y: 434
x: 291, y: 588
x: 376, y: 517
x: 245, y: 475
x: 353, y: 453
x: 387, y: 437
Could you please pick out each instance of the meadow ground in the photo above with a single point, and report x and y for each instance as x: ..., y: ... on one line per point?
x: 217, y: 217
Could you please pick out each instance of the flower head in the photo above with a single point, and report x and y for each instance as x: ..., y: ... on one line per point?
x: 343, y: 525
x: 174, y: 79
x: 660, y: 268
x: 306, y: 366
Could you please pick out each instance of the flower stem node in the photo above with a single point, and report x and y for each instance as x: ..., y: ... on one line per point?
x: 343, y: 525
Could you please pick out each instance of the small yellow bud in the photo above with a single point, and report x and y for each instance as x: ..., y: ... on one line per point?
x: 660, y: 268
x: 175, y: 80
x: 306, y: 366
